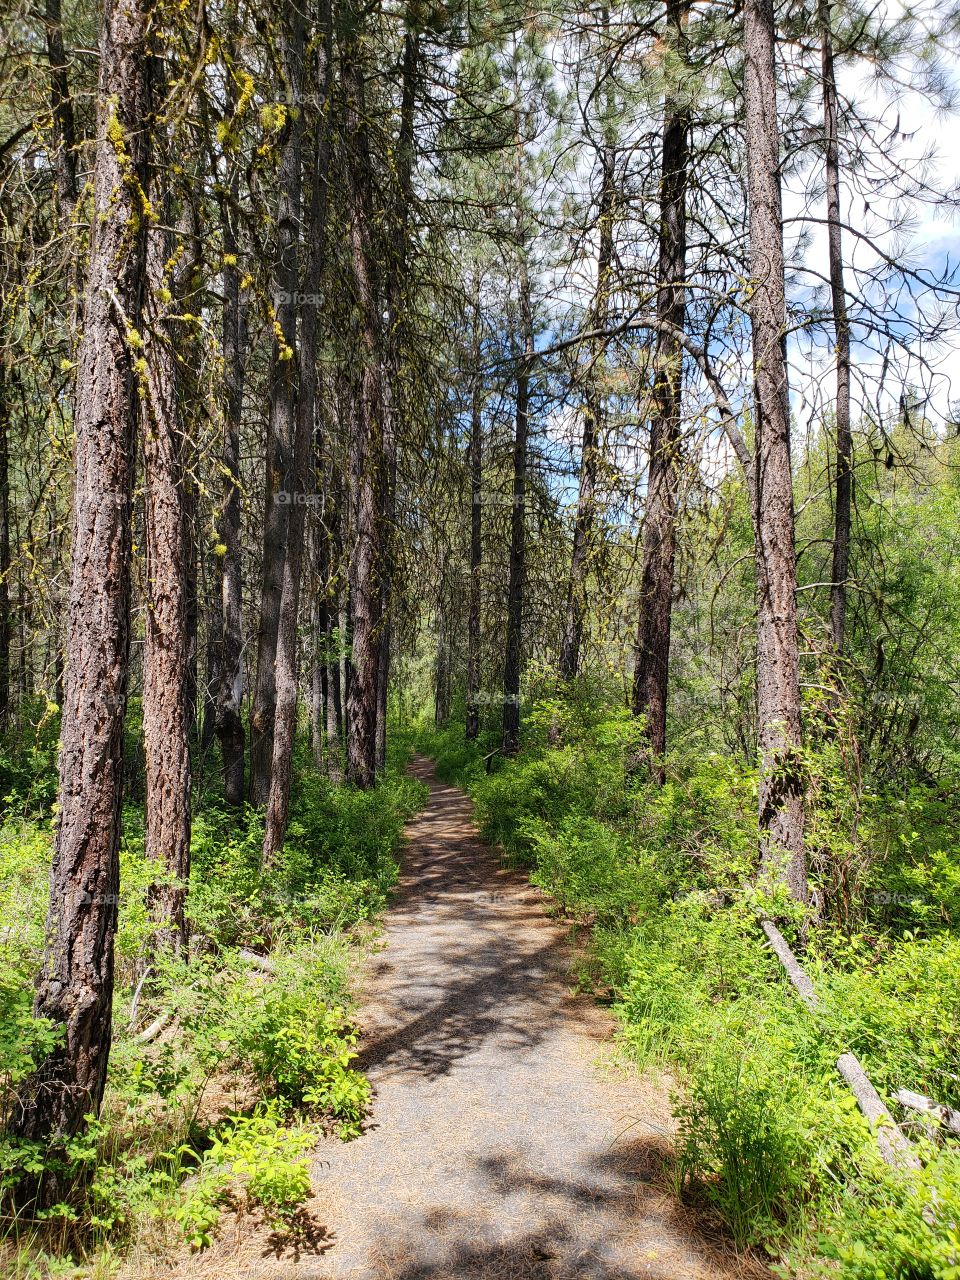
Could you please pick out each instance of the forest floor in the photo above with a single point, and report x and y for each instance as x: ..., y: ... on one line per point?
x: 505, y: 1140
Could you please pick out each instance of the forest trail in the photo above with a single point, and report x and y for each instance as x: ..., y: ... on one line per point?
x: 499, y: 1144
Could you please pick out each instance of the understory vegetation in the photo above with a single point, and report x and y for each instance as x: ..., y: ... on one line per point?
x: 662, y: 881
x: 228, y: 1063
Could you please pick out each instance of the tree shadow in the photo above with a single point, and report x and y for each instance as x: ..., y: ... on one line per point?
x: 639, y: 1231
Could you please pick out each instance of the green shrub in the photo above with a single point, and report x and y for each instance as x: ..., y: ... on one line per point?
x: 890, y: 1227
x: 741, y: 1143
x: 591, y: 870
x: 258, y: 1156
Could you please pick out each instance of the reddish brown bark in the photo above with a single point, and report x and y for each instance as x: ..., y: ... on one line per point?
x: 778, y: 681
x: 166, y: 653
x: 75, y: 987
x: 651, y: 669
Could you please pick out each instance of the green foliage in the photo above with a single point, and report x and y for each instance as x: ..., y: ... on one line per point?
x: 893, y: 1228
x: 28, y: 762
x: 591, y: 870
x: 259, y: 1013
x: 768, y: 1133
x: 257, y: 1156
x: 741, y: 1142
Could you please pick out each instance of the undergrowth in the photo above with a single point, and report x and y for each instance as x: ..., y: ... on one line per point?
x: 663, y: 878
x: 227, y: 1065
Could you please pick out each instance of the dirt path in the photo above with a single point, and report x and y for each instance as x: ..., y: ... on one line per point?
x: 499, y: 1145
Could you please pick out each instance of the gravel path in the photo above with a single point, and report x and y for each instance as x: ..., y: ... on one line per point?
x: 504, y: 1141
x: 499, y: 1146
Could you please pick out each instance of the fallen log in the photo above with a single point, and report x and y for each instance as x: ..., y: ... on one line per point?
x: 894, y: 1147
x: 946, y: 1116
x: 258, y: 962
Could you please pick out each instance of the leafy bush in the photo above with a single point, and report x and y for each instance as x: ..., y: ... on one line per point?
x: 741, y: 1142
x: 768, y: 1133
x: 261, y: 1157
x: 275, y: 1033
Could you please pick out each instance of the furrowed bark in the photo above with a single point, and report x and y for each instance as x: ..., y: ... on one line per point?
x: 166, y: 653
x: 75, y: 987
x: 651, y: 668
x: 278, y: 804
x: 782, y: 854
x: 279, y: 495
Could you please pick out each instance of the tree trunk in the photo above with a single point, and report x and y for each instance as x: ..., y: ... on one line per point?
x: 230, y: 686
x: 318, y: 677
x: 368, y: 479
x: 441, y: 676
x: 583, y: 528
x: 279, y: 494
x: 61, y: 107
x: 841, y: 326
x: 651, y: 669
x: 334, y: 706
x: 476, y: 541
x: 75, y: 988
x: 166, y: 651
x: 510, y: 741
x: 778, y: 688
x: 285, y: 730
x: 5, y: 628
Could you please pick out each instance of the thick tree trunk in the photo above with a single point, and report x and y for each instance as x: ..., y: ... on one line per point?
x: 841, y: 327
x: 510, y: 740
x: 778, y: 685
x: 651, y: 669
x: 476, y: 546
x: 279, y: 495
x: 75, y: 987
x: 368, y: 470
x: 229, y: 692
x: 285, y: 730
x: 166, y: 652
